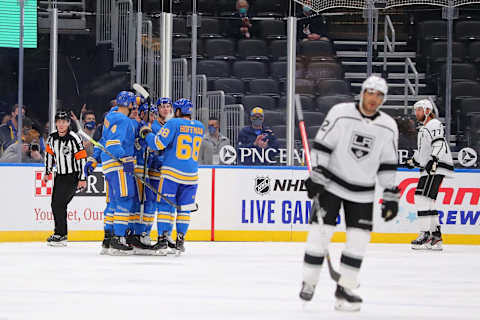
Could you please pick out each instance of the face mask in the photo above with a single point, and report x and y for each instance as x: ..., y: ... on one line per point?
x: 243, y: 11
x: 307, y: 10
x: 212, y: 129
x: 257, y: 122
x: 90, y: 125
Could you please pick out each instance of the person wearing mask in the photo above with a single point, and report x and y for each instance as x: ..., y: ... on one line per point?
x: 311, y: 26
x: 30, y: 149
x: 240, y: 26
x: 257, y: 138
x: 8, y: 132
x: 212, y: 143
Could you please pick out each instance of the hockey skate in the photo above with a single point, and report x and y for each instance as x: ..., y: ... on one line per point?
x: 422, y: 242
x: 180, y: 244
x: 106, y: 243
x: 119, y: 247
x: 161, y: 247
x: 171, y: 246
x: 347, y: 300
x: 56, y: 240
x: 140, y: 247
x: 436, y: 240
x: 307, y: 291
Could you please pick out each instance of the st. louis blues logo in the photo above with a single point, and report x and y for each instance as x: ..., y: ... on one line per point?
x: 262, y: 185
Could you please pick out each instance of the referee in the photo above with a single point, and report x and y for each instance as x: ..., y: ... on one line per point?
x: 64, y: 149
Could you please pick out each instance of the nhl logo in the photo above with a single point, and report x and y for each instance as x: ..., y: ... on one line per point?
x: 262, y: 185
x: 361, y: 145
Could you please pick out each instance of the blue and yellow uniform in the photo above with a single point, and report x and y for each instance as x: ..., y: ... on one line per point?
x: 180, y: 140
x: 119, y: 137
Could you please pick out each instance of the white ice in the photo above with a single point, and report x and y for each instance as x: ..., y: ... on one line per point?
x: 231, y: 281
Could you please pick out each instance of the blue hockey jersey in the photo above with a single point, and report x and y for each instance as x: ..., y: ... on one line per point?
x: 181, y: 140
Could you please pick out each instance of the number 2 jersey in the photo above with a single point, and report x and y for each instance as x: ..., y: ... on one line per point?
x: 181, y: 140
x: 353, y: 150
x: 431, y: 141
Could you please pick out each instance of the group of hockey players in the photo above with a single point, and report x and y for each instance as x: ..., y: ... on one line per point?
x: 356, y: 146
x: 150, y: 167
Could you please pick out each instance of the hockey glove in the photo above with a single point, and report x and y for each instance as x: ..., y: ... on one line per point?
x: 144, y: 131
x: 89, y: 166
x: 313, y: 189
x: 431, y: 166
x: 390, y: 203
x: 128, y: 165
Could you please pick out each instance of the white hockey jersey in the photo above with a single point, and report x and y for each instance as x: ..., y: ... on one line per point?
x: 431, y: 141
x: 353, y: 150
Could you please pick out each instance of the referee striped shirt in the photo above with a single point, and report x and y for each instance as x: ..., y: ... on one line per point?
x: 66, y: 153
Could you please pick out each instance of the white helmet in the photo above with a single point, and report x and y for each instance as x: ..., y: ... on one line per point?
x: 375, y: 83
x: 428, y: 107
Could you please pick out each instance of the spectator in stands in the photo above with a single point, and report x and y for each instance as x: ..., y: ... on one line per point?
x: 30, y: 149
x: 8, y: 132
x: 88, y: 125
x: 240, y: 26
x: 4, y: 118
x: 311, y: 26
x: 259, y: 139
x: 212, y: 143
x: 98, y: 132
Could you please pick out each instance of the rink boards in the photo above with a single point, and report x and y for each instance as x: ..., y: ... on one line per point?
x: 237, y: 204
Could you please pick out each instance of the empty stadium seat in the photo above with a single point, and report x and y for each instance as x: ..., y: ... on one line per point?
x: 313, y: 118
x: 460, y: 72
x: 474, y: 51
x: 213, y: 69
x: 270, y: 8
x: 278, y: 70
x: 324, y: 70
x: 230, y: 100
x: 209, y: 28
x: 326, y: 103
x: 252, y: 49
x: 222, y: 49
x: 248, y: 70
x: 332, y: 87
x: 278, y: 49
x: 432, y: 30
x: 312, y: 131
x: 308, y: 104
x: 463, y: 89
x: 437, y: 52
x: 179, y: 28
x: 280, y: 130
x: 273, y: 29
x: 267, y: 87
x: 231, y: 86
x: 317, y: 49
x: 467, y: 30
x: 305, y: 86
x: 265, y: 102
x: 470, y: 105
x: 182, y: 47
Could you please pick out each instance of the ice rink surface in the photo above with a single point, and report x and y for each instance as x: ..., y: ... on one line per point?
x: 231, y: 281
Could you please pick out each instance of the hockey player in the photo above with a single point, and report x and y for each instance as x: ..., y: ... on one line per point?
x: 119, y: 136
x: 435, y: 162
x: 181, y: 138
x: 355, y: 145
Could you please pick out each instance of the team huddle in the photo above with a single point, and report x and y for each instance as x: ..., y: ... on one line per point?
x: 150, y: 167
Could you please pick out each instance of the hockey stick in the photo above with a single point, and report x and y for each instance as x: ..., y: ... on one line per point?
x: 334, y: 274
x: 148, y: 185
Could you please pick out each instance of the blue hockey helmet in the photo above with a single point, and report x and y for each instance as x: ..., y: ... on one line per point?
x: 164, y: 101
x: 144, y: 108
x: 124, y: 98
x: 185, y: 106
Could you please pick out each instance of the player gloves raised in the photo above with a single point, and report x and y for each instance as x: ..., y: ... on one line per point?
x: 390, y: 203
x: 431, y: 166
x: 144, y: 131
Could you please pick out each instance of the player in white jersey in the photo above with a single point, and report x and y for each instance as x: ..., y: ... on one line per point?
x: 435, y: 162
x: 355, y: 145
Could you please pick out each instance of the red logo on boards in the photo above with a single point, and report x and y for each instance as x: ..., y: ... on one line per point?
x: 43, y: 189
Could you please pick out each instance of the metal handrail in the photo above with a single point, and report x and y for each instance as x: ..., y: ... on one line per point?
x: 409, y: 87
x: 388, y: 44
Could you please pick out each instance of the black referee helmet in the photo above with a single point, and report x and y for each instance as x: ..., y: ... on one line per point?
x: 62, y: 115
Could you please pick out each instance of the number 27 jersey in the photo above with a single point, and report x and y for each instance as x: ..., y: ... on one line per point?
x: 181, y: 140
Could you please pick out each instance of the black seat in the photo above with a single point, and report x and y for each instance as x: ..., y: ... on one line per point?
x: 273, y: 29
x: 326, y: 103
x: 229, y: 99
x: 248, y: 70
x: 278, y: 49
x: 305, y: 86
x: 280, y: 130
x: 463, y: 89
x: 252, y: 49
x: 182, y: 47
x: 317, y: 49
x: 332, y: 87
x: 470, y: 105
x: 313, y: 118
x: 312, y: 131
x: 278, y: 69
x: 467, y: 30
x: 270, y: 8
x: 220, y: 49
x: 214, y: 69
x: 308, y: 104
x: 282, y: 142
x: 265, y: 102
x: 268, y: 87
x: 438, y: 52
x: 209, y: 28
x: 474, y: 51
x: 231, y: 86
x: 179, y: 28
x: 324, y: 70
x: 460, y: 72
x: 206, y: 7
x: 432, y: 30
